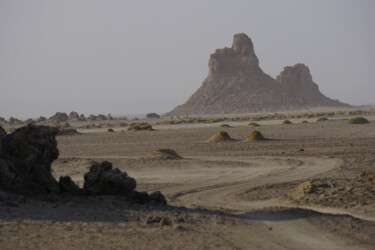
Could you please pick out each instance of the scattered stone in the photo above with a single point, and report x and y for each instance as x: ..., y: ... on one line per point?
x: 165, y: 221
x: 151, y: 219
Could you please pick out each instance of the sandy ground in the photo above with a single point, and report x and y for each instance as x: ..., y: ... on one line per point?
x: 231, y: 195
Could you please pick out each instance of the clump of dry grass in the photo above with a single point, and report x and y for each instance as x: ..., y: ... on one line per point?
x: 322, y: 119
x: 140, y: 126
x: 225, y: 125
x: 255, y: 135
x: 287, y: 122
x: 253, y: 124
x: 358, y: 120
x: 220, y: 137
x: 164, y: 153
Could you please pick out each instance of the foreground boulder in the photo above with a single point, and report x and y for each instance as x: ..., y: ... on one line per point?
x: 103, y: 180
x: 26, y: 156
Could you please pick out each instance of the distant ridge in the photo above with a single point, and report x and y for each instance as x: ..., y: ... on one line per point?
x: 236, y: 84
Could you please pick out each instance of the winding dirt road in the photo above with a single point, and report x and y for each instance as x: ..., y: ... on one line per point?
x: 213, y: 182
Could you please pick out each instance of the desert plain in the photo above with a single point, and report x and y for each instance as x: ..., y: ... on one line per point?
x: 308, y: 186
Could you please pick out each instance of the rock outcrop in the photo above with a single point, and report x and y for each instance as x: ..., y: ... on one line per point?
x: 236, y: 84
x: 73, y: 116
x: 25, y: 169
x: 26, y: 156
x: 103, y: 180
x: 58, y: 117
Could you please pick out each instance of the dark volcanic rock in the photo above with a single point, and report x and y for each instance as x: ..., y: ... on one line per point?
x: 2, y: 135
x: 103, y: 180
x: 236, y: 84
x: 26, y: 157
x: 68, y: 186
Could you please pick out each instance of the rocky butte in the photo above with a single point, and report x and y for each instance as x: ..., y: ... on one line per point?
x: 236, y: 84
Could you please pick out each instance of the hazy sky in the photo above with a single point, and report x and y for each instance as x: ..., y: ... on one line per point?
x: 124, y: 57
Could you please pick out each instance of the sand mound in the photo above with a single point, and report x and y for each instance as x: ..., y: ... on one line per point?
x: 220, y: 137
x: 255, y: 135
x: 163, y: 154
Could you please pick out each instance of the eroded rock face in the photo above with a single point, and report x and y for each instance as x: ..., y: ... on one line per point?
x: 14, y: 121
x: 26, y: 157
x: 298, y: 86
x: 58, y: 117
x: 103, y: 180
x: 73, y: 116
x: 236, y: 84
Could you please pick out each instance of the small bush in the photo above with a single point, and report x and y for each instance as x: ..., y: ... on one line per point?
x: 304, y: 121
x: 255, y: 135
x: 358, y: 120
x: 152, y: 115
x: 140, y: 126
x: 287, y: 122
x: 257, y: 118
x: 253, y: 124
x: 322, y: 119
x: 110, y: 130
x: 225, y: 125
